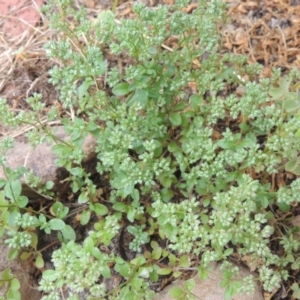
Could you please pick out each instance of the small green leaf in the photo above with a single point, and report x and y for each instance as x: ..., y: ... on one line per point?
x: 295, y: 286
x: 105, y: 14
x: 13, y: 190
x: 13, y: 294
x: 296, y: 294
x: 47, y: 230
x: 16, y: 187
x: 284, y: 84
x: 184, y: 261
x: 204, y: 218
x: 135, y: 195
x: 119, y: 206
x: 244, y: 127
x: 206, y: 202
x: 154, y: 244
x: 22, y: 201
x: 290, y: 258
x: 180, y: 106
x: 59, y: 210
x: 295, y: 266
x: 147, y: 255
x: 15, y: 284
x: 297, y: 171
x: 165, y: 180
x: 276, y: 93
x: 144, y: 272
x: 61, y: 150
x: 297, y: 134
x: 97, y: 253
x: 133, y: 230
x: 177, y: 274
x: 105, y: 271
x: 228, y: 251
x: 39, y: 262
x: 83, y: 197
x: 34, y: 240
x: 138, y: 261
x: 68, y: 233
x: 177, y: 292
x: 196, y: 101
x: 170, y: 71
x: 130, y: 214
x: 153, y: 276
x: 50, y: 275
x: 170, y: 230
x: 190, y: 284
x: 175, y: 119
x: 291, y: 165
x: 156, y: 253
x: 174, y: 148
x: 56, y: 224
x: 121, y: 89
x: 264, y: 202
x: 85, y: 217
x: 203, y: 273
x: 136, y: 283
x: 284, y: 207
x: 88, y: 245
x: 123, y: 269
x: 6, y: 274
x: 12, y: 217
x: 42, y: 219
x: 77, y: 171
x: 126, y: 293
x: 13, y: 254
x: 185, y: 120
x: 152, y: 50
x: 224, y: 144
x: 161, y: 233
x: 172, y: 259
x: 2, y: 183
x: 25, y: 255
x: 100, y: 209
x: 164, y: 271
x: 166, y: 194
x: 49, y: 185
x: 290, y: 105
x: 231, y: 290
x: 83, y: 88
x: 140, y: 96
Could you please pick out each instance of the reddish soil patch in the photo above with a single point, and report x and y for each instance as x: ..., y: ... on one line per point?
x: 19, y: 15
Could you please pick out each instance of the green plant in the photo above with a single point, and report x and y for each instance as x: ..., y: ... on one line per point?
x: 140, y: 237
x: 12, y: 284
x: 188, y: 159
x: 79, y: 267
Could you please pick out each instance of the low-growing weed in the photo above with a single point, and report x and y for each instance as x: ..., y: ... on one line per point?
x: 189, y: 160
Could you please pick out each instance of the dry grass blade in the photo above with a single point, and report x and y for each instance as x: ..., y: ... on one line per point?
x: 24, y: 48
x: 23, y: 129
x: 19, y: 56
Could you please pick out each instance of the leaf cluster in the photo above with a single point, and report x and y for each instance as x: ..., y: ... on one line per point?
x: 188, y: 155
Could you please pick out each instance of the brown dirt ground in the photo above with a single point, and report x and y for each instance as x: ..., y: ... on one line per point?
x: 268, y: 32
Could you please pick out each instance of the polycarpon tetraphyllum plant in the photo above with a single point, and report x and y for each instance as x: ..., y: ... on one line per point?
x: 189, y: 157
